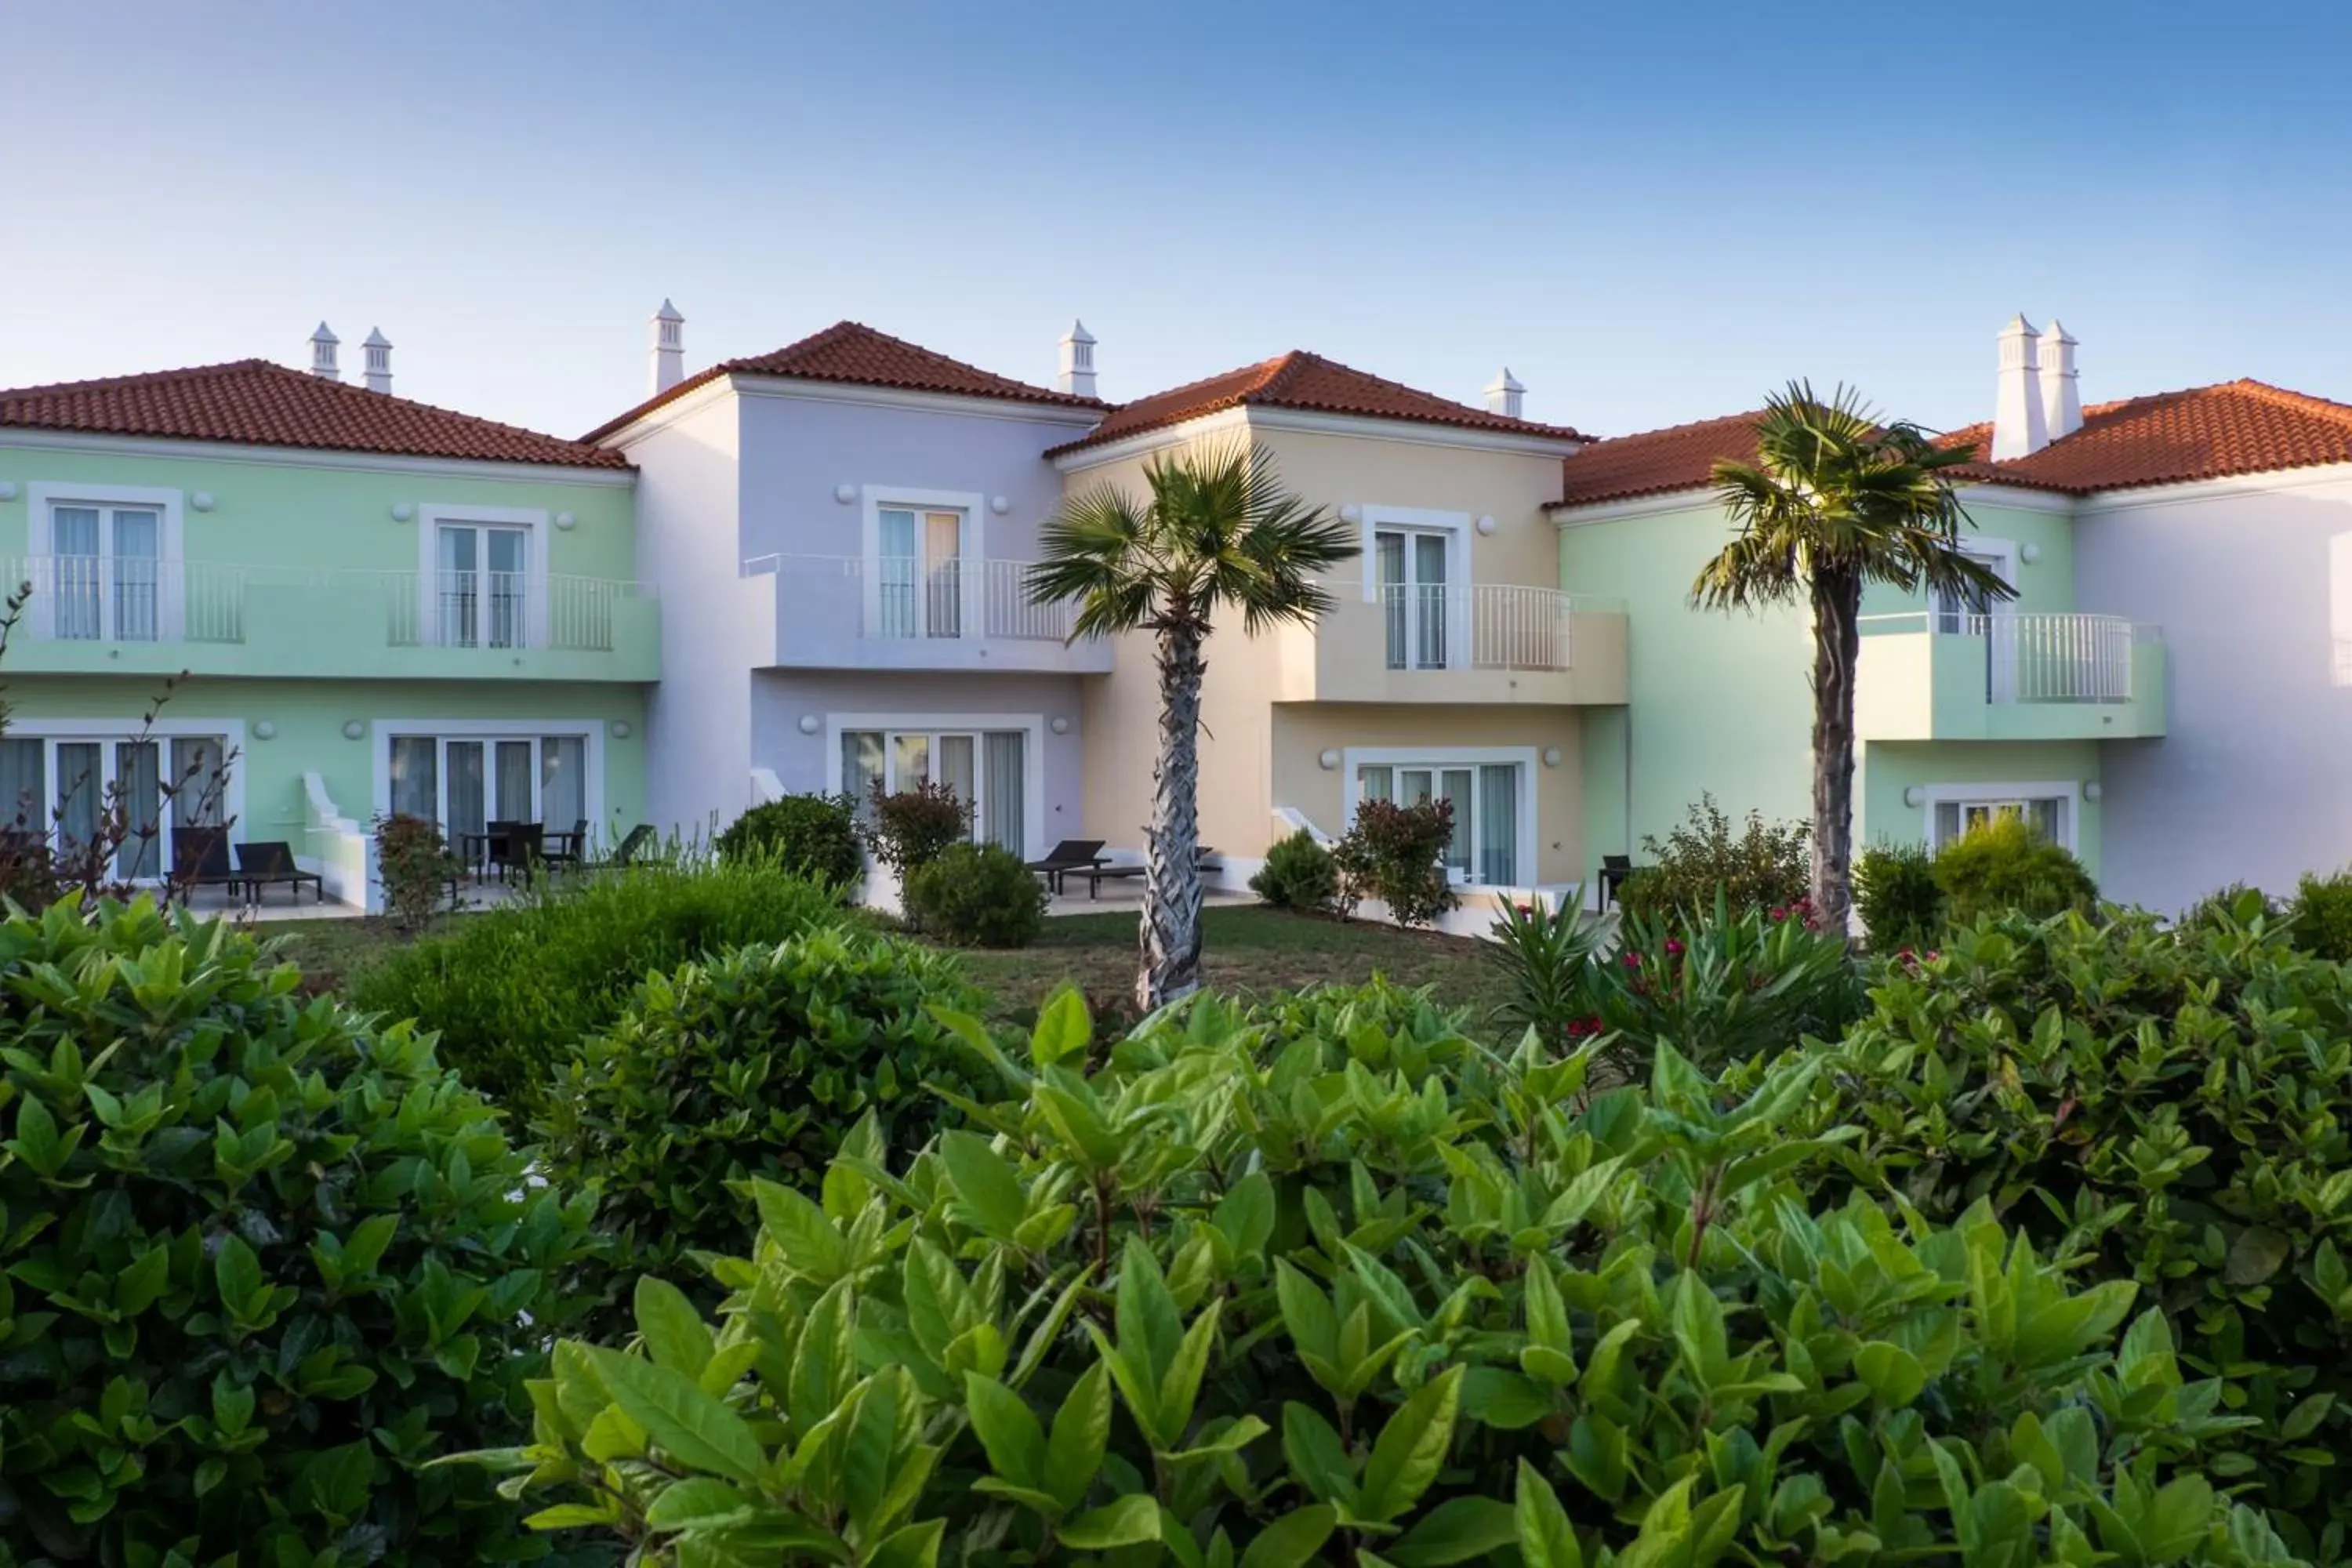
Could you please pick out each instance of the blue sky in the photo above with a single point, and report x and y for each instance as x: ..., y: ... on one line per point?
x: 1651, y: 213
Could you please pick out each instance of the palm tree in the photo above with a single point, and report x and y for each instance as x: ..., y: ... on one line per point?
x: 1217, y: 532
x: 1836, y: 500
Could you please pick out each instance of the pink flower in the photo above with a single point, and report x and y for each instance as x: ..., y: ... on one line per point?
x: 1779, y: 913
x: 1673, y: 947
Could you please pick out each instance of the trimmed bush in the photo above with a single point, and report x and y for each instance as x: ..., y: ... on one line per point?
x: 2321, y: 916
x: 417, y: 869
x: 915, y: 826
x: 512, y: 990
x: 2006, y: 866
x: 976, y: 895
x: 1298, y: 874
x: 1224, y: 1301
x: 811, y: 835
x: 1895, y: 894
x: 258, y: 1262
x: 1765, y: 866
x: 753, y: 1063
x: 1396, y: 854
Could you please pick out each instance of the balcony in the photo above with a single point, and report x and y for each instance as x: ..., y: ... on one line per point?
x: 104, y: 616
x: 1929, y: 676
x: 848, y: 611
x: 1476, y: 643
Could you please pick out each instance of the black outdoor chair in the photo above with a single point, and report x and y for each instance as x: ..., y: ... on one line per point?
x: 270, y: 863
x: 567, y: 848
x: 517, y: 849
x: 1069, y: 854
x: 1614, y: 869
x: 640, y: 839
x: 200, y: 858
x: 1097, y: 874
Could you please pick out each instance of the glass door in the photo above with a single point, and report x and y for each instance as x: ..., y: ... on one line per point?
x: 106, y: 788
x: 919, y: 577
x: 987, y: 770
x: 479, y: 595
x: 1485, y: 845
x: 107, y: 562
x: 1411, y: 569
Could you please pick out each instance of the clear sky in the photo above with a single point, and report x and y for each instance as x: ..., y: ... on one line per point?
x: 1652, y: 211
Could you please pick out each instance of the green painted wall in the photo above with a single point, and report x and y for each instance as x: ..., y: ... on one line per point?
x: 1889, y: 767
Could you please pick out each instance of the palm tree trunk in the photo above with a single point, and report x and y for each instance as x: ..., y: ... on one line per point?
x: 1837, y: 638
x: 1171, y: 937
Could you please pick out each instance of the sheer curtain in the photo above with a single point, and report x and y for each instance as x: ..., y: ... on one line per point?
x: 861, y: 768
x: 1008, y: 807
x: 562, y: 781
x: 24, y: 786
x: 139, y: 777
x: 955, y: 768
x: 81, y: 788
x: 514, y: 782
x: 1498, y: 825
x: 417, y: 777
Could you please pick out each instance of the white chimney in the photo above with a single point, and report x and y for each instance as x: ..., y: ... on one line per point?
x: 2062, y: 395
x: 1505, y: 396
x: 379, y: 360
x: 1077, y: 377
x: 668, y: 367
x: 322, y: 354
x: 2017, y: 426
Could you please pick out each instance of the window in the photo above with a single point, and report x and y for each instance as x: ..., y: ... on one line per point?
x: 1486, y: 798
x: 986, y: 768
x: 480, y: 585
x: 106, y: 566
x: 2048, y: 810
x: 61, y: 787
x: 465, y: 783
x: 1411, y: 567
x: 919, y: 572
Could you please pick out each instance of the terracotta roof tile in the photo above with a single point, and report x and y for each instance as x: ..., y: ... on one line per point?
x: 1308, y: 381
x: 854, y: 353
x: 2167, y: 437
x: 253, y: 403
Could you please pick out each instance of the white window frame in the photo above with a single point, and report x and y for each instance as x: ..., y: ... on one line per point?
x: 430, y: 517
x: 2068, y: 793
x: 1458, y: 533
x: 592, y: 730
x: 230, y: 732
x: 1525, y: 758
x: 970, y: 539
x: 42, y: 499
x: 1032, y: 726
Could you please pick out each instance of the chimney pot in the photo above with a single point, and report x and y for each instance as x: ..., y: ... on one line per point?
x: 2061, y: 392
x: 668, y: 357
x: 1078, y: 372
x: 2019, y: 426
x: 379, y: 360
x: 1506, y: 397
x: 322, y: 354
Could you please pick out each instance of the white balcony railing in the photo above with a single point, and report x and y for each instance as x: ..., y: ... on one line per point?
x: 2038, y: 657
x: 902, y: 599
x: 1481, y: 626
x: 103, y: 599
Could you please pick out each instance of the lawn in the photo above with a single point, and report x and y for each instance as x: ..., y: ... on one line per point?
x: 1250, y: 950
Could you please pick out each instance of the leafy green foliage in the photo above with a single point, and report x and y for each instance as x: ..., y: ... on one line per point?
x: 1395, y: 853
x: 2168, y: 1107
x: 258, y: 1261
x: 1298, y: 874
x: 1546, y: 956
x: 2238, y: 904
x: 1725, y: 988
x: 976, y: 895
x: 2006, y: 866
x: 1764, y: 867
x: 915, y: 826
x: 809, y: 835
x: 1895, y: 892
x: 753, y: 1063
x: 512, y: 990
x: 416, y: 866
x: 2322, y: 915
x: 1224, y: 1301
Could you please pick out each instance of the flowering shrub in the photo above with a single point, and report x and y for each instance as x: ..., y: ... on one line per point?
x: 914, y: 826
x: 1727, y: 988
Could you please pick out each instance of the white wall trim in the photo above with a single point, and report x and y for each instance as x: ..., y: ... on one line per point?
x: 590, y: 730
x: 1586, y: 514
x: 431, y: 515
x: 2016, y: 497
x: 1143, y: 442
x: 42, y: 495
x: 2069, y: 791
x: 1525, y: 757
x: 750, y: 384
x: 2189, y: 492
x: 1033, y: 752
x: 306, y: 457
x: 1406, y: 432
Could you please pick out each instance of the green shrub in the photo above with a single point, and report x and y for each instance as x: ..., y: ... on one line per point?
x: 415, y: 868
x: 2321, y: 916
x: 915, y: 826
x: 2170, y: 1107
x: 1298, y: 874
x: 2238, y: 904
x: 1766, y: 867
x: 1895, y: 894
x: 754, y: 1062
x: 2006, y: 866
x: 1382, y: 1309
x: 258, y: 1262
x: 1396, y: 854
x: 1376, y: 1015
x: 510, y: 990
x: 1546, y: 957
x: 811, y: 835
x: 976, y: 895
x: 1723, y: 989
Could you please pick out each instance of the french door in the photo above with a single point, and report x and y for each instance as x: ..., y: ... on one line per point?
x: 61, y: 789
x: 988, y: 770
x: 107, y: 562
x: 1974, y: 613
x: 1411, y: 567
x: 479, y: 585
x: 465, y: 783
x: 921, y: 578
x: 1486, y: 801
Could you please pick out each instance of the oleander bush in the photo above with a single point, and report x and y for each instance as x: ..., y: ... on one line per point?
x: 754, y: 1062
x: 976, y: 895
x: 1895, y: 894
x: 1761, y: 867
x: 2321, y: 915
x: 2169, y: 1109
x: 1299, y: 874
x: 259, y: 1262
x: 1545, y: 958
x: 809, y: 835
x: 512, y: 990
x: 2006, y: 866
x: 1220, y: 1300
x: 1396, y: 854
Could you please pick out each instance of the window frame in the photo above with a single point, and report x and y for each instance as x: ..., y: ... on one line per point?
x: 2067, y: 792
x: 488, y: 732
x: 43, y: 498
x: 431, y: 517
x: 971, y: 508
x: 110, y: 734
x: 1030, y: 726
x: 1437, y: 760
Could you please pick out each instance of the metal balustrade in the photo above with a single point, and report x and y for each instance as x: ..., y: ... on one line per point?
x: 1478, y: 626
x: 2038, y: 657
x: 903, y: 597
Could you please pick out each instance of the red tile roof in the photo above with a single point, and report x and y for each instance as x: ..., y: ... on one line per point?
x: 2169, y: 437
x: 854, y: 353
x: 253, y: 403
x: 1308, y: 381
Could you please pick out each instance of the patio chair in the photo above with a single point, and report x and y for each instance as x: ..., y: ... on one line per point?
x: 567, y: 848
x: 517, y: 849
x: 1069, y: 854
x: 270, y: 863
x: 1614, y: 869
x: 1096, y: 874
x: 200, y: 858
x: 632, y: 848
